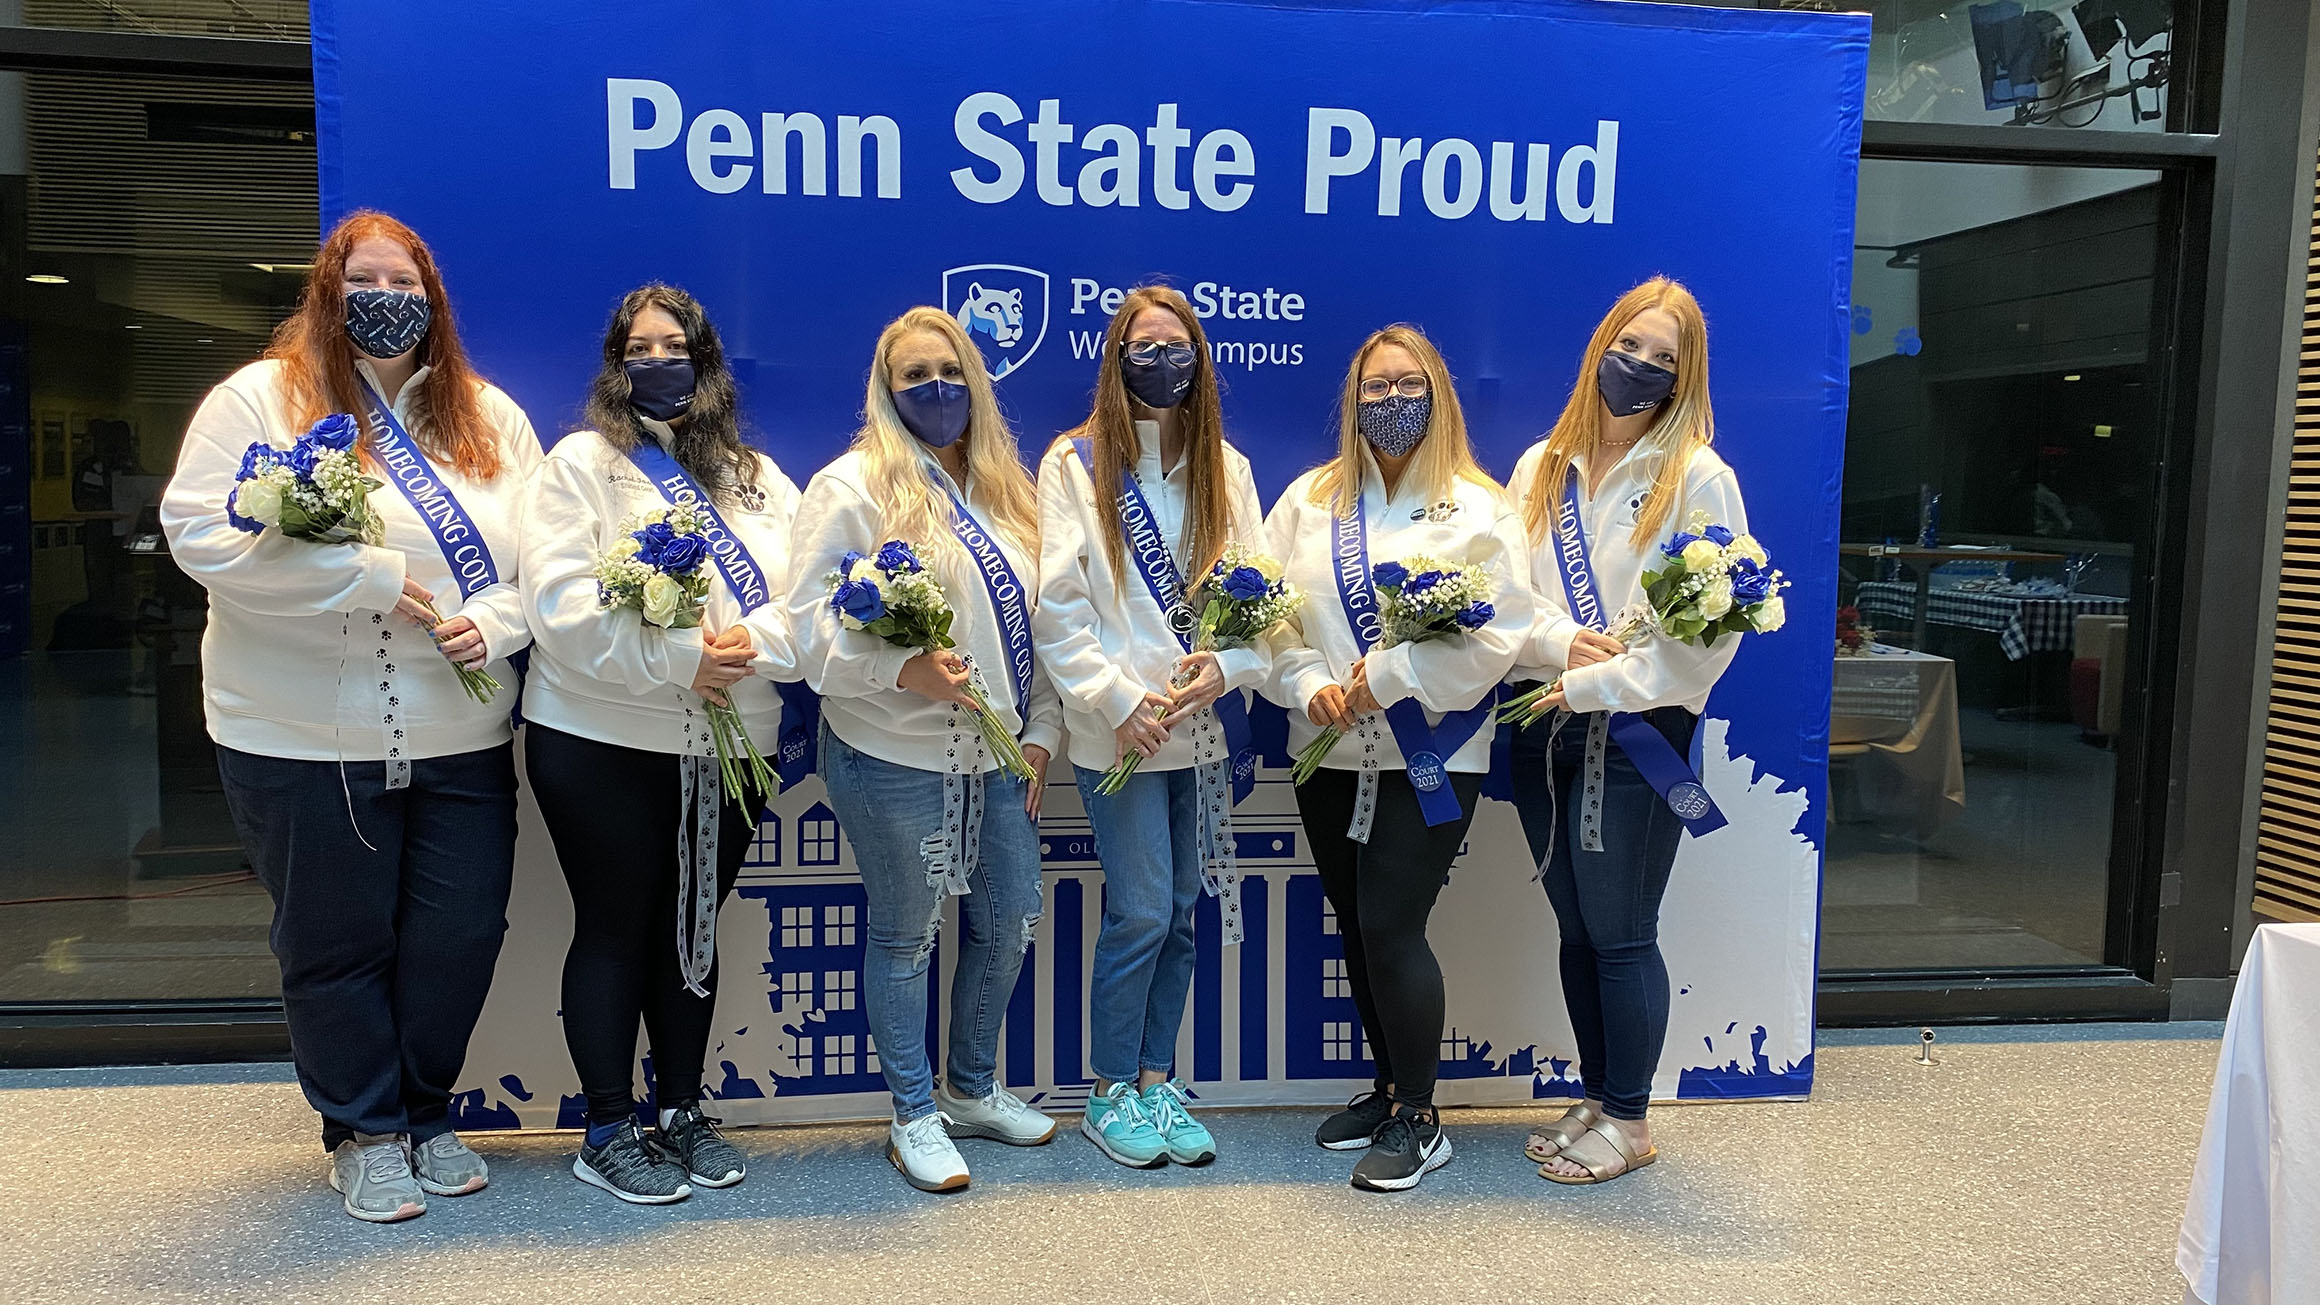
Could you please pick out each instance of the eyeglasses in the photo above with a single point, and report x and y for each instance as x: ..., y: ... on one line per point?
x: 1409, y: 387
x: 1144, y: 353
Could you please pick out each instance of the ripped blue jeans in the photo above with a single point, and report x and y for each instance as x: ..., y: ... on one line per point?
x: 887, y: 812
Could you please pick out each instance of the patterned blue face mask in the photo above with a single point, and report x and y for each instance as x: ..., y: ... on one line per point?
x: 387, y: 323
x: 1394, y: 424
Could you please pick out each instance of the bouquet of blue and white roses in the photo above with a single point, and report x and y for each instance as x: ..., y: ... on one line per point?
x: 1242, y: 598
x: 892, y: 595
x: 316, y: 490
x: 1709, y: 583
x: 656, y: 570
x: 1420, y: 599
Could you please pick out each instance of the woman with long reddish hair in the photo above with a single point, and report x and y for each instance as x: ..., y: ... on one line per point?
x: 1135, y: 504
x: 1625, y: 468
x: 373, y: 788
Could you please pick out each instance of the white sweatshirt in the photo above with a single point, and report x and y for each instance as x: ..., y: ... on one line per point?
x: 300, y: 634
x: 857, y: 673
x: 1105, y: 645
x: 1476, y: 524
x: 606, y: 675
x: 1656, y: 672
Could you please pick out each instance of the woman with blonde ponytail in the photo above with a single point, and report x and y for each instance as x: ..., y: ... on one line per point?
x: 925, y: 803
x: 1603, y: 785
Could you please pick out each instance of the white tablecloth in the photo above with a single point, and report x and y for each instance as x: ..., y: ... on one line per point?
x: 1901, y: 706
x: 2251, y: 1234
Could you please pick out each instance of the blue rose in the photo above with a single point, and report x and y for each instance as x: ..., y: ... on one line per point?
x: 1246, y: 583
x: 1474, y: 616
x: 336, y: 431
x: 1683, y: 540
x: 1390, y: 575
x: 861, y: 601
x: 301, y: 458
x: 1422, y: 582
x: 1750, y: 582
x: 257, y: 458
x: 1719, y: 536
x: 652, y: 541
x: 682, y: 554
x: 896, y: 558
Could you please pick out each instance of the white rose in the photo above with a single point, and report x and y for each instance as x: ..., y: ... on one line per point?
x: 663, y: 596
x: 627, y: 547
x: 1702, y: 555
x: 260, y: 500
x: 865, y: 569
x: 1746, y: 546
x: 1716, y: 599
x: 1769, y: 615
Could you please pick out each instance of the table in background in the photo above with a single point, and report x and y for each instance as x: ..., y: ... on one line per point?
x: 1924, y: 561
x: 1895, y: 712
x: 2251, y: 1231
x: 2024, y: 623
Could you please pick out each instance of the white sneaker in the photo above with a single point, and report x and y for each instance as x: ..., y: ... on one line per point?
x: 922, y: 1150
x: 1001, y: 1116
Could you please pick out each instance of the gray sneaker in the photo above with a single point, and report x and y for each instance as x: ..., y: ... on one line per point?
x: 447, y: 1168
x: 373, y: 1173
x: 631, y: 1168
x: 691, y: 1139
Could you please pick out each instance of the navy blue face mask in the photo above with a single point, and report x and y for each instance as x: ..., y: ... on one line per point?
x: 1394, y: 424
x: 1159, y: 383
x: 935, y: 411
x: 660, y: 388
x: 387, y: 323
x: 1630, y: 385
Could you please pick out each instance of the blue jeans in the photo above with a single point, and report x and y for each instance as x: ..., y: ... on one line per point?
x: 387, y: 946
x: 1615, y: 982
x: 1148, y: 838
x: 887, y: 811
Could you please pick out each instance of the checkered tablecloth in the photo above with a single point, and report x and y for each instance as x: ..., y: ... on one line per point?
x: 2023, y: 625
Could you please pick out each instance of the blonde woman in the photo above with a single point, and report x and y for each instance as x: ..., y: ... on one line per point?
x: 1623, y: 470
x: 923, y: 801
x: 1142, y: 495
x: 1387, y: 812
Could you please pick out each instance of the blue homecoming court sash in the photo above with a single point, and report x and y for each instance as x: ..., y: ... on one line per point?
x: 1425, y: 748
x: 464, y: 548
x: 800, y: 709
x: 1654, y: 757
x: 1165, y: 581
x: 1010, y: 603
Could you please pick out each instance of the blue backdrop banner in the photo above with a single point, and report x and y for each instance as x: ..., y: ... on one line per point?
x: 1494, y: 171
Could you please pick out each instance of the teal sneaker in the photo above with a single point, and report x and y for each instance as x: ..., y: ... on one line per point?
x: 1117, y: 1124
x: 1188, y: 1142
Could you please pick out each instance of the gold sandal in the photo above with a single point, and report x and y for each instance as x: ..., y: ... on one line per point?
x: 1547, y: 1143
x: 1604, y: 1152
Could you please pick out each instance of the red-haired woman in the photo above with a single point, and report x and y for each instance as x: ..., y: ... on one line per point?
x: 374, y: 794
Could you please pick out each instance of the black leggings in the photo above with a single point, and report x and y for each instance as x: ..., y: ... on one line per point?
x: 612, y: 813
x: 1382, y: 892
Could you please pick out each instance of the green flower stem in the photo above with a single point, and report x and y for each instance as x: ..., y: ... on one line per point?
x: 478, y: 682
x: 1309, y: 760
x: 1003, y: 745
x: 737, y: 758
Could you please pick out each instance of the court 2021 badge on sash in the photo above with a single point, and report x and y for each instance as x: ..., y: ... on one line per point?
x: 1003, y: 308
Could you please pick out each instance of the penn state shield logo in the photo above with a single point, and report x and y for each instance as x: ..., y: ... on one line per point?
x: 1003, y: 309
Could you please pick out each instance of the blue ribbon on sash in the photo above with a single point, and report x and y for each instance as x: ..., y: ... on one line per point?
x: 1426, y: 749
x: 1657, y: 760
x: 801, y: 708
x: 1010, y: 603
x: 465, y: 550
x: 1151, y: 559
